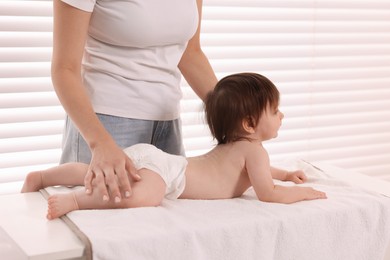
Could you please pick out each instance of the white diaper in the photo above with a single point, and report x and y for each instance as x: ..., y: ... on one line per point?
x: 170, y: 167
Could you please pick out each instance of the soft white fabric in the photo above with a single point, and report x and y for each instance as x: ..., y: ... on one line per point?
x: 170, y: 167
x: 351, y: 224
x: 131, y: 55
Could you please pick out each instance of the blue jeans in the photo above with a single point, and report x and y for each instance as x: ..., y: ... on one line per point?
x: 165, y: 135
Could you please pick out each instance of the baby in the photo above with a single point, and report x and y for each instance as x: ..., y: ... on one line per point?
x: 242, y: 112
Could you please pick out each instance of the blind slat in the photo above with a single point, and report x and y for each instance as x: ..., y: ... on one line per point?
x: 18, y: 85
x: 26, y: 8
x: 273, y: 38
x: 18, y: 115
x: 25, y: 39
x: 300, y: 51
x: 327, y: 118
x: 225, y: 26
x: 39, y: 128
x: 26, y: 23
x: 330, y: 63
x: 33, y: 99
x: 21, y: 144
x: 24, y: 69
x: 25, y: 54
x: 309, y: 4
x: 30, y: 158
x: 262, y: 13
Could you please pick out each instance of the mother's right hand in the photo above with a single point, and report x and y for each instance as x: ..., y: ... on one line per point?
x: 110, y: 170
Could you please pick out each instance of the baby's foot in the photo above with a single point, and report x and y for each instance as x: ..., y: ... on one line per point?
x: 60, y: 204
x: 33, y: 182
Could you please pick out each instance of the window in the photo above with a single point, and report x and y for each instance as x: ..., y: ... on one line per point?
x: 329, y: 59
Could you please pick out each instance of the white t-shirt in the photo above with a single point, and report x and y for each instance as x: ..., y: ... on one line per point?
x: 132, y: 52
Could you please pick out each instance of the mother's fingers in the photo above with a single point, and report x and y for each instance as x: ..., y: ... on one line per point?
x: 100, y: 183
x: 124, y: 182
x: 88, y: 181
x: 132, y: 171
x: 111, y: 181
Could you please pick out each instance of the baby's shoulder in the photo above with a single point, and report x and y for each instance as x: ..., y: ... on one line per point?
x: 251, y: 151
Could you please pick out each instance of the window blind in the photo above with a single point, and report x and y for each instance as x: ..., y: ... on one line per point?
x: 31, y: 118
x: 329, y: 59
x: 331, y: 63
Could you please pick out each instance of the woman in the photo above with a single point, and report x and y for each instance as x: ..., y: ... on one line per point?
x: 116, y: 70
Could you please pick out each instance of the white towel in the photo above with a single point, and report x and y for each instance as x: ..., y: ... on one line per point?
x: 350, y: 224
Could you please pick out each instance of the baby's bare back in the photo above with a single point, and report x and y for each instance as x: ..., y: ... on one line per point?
x: 219, y: 174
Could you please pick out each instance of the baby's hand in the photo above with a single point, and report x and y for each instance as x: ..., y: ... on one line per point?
x: 312, y: 194
x: 297, y: 176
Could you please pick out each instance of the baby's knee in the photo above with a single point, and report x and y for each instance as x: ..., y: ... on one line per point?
x: 32, y: 182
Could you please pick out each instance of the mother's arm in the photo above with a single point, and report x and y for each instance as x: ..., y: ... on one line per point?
x: 195, y: 66
x: 69, y: 37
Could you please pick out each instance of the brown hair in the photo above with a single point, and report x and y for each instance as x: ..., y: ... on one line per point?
x: 237, y: 97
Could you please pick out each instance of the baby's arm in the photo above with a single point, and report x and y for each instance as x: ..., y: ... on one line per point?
x: 287, y: 195
x: 297, y: 176
x: 260, y: 175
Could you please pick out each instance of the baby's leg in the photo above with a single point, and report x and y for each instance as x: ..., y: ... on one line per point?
x: 64, y: 174
x: 147, y: 192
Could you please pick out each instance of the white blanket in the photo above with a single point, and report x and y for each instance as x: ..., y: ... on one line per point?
x: 351, y: 224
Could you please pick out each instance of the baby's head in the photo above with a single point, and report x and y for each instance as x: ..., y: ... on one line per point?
x: 238, y: 97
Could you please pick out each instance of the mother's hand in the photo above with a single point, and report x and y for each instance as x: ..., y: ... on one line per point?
x: 110, y: 170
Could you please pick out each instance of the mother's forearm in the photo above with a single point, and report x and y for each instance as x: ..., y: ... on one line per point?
x: 198, y: 72
x: 76, y: 103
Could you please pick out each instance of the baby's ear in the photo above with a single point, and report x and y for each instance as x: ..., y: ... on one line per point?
x: 248, y: 125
